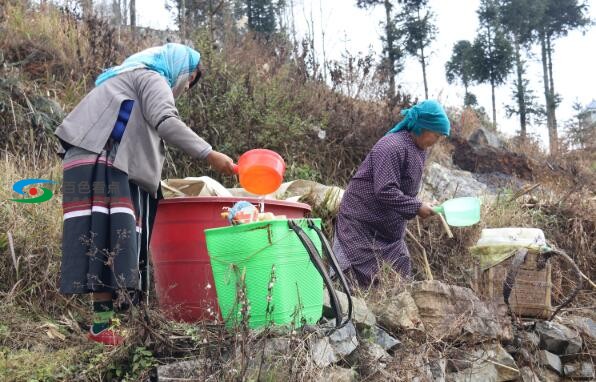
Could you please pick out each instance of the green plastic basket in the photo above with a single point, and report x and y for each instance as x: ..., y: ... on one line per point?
x: 282, y: 285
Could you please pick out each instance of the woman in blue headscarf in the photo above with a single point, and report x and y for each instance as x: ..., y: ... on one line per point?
x: 113, y: 146
x: 381, y: 197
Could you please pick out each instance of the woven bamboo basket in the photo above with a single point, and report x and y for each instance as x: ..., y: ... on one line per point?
x: 531, y: 293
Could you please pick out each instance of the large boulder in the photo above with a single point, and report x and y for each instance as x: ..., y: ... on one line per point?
x: 450, y: 312
x: 441, y: 182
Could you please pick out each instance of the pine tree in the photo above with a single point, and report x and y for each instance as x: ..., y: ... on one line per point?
x: 394, y: 55
x: 520, y: 21
x: 418, y: 31
x: 492, y: 52
x: 558, y: 19
x: 460, y: 67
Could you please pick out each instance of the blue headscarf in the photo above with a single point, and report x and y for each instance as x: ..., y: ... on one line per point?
x: 175, y: 62
x: 428, y: 115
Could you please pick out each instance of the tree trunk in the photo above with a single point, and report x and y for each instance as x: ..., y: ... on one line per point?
x: 211, y: 22
x: 390, y: 52
x: 492, y: 88
x: 553, y: 106
x: 521, y: 99
x: 423, y: 62
x: 552, y: 136
x: 182, y: 19
x: 323, y: 41
x: 492, y: 80
x: 294, y: 41
x: 133, y: 18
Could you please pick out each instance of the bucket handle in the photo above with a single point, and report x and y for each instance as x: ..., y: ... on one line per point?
x: 315, y: 258
x: 520, y: 256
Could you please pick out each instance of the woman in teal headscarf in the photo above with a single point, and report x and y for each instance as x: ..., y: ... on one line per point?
x: 381, y: 197
x: 113, y: 147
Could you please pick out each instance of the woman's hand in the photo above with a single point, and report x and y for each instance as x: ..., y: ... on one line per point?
x: 221, y: 163
x: 425, y: 211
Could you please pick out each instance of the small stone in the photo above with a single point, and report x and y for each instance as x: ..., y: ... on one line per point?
x: 487, y: 363
x: 187, y: 370
x: 322, y: 353
x: 339, y: 374
x: 547, y: 375
x: 551, y: 361
x: 344, y: 341
x: 327, y: 350
x: 400, y: 313
x: 585, y: 325
x: 384, y: 339
x: 437, y: 369
x: 527, y: 375
x: 579, y: 370
x: 275, y: 347
x: 361, y: 315
x: 558, y: 339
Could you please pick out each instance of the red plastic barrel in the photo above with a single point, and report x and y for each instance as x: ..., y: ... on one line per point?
x: 181, y: 266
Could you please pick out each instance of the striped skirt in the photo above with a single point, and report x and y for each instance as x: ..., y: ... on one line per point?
x: 107, y: 223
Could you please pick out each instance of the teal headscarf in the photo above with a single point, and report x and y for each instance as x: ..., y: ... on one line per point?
x: 175, y: 62
x: 428, y: 115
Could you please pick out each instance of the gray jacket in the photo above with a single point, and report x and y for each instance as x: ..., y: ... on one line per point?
x: 154, y: 118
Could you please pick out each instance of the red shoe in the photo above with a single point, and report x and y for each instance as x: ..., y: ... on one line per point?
x: 106, y: 337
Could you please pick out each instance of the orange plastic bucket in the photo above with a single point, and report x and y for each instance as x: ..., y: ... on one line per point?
x: 261, y: 171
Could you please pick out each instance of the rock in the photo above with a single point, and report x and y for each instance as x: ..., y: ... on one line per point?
x: 399, y: 313
x: 527, y: 375
x: 497, y: 181
x: 322, y: 353
x: 483, y: 137
x: 480, y: 158
x: 275, y: 347
x: 344, y: 340
x: 529, y: 339
x: 339, y: 374
x: 369, y: 352
x: 558, y: 338
x: 437, y: 369
x: 369, y: 358
x: 326, y: 350
x: 441, y: 181
x: 189, y: 371
x: 384, y: 339
x: 579, y: 370
x: 488, y: 363
x: 550, y: 360
x: 450, y: 312
x: 585, y: 325
x: 547, y: 375
x: 361, y: 315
